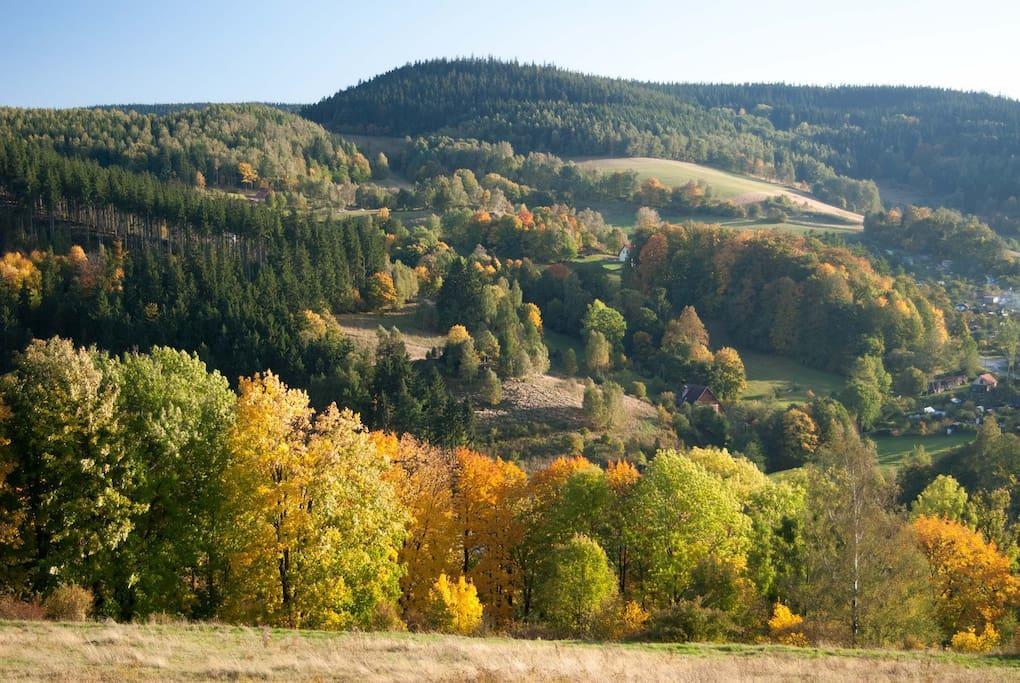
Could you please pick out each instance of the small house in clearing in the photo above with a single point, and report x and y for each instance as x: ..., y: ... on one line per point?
x: 260, y: 195
x: 699, y: 395
x: 984, y: 383
x: 940, y: 384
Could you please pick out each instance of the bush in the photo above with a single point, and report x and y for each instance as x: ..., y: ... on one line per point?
x: 454, y: 607
x: 785, y: 627
x: 491, y: 388
x: 689, y: 621
x: 569, y: 363
x: 13, y: 609
x: 970, y: 641
x: 386, y: 617
x: 68, y: 603
x: 620, y: 620
x: 165, y: 619
x: 639, y: 390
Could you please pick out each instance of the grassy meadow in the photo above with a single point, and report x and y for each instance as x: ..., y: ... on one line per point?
x: 93, y: 652
x: 675, y: 173
x: 893, y: 450
x: 734, y: 187
x: 361, y: 328
x: 784, y: 379
x: 623, y: 216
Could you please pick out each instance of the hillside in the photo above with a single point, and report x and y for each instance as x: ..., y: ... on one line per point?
x: 741, y: 190
x: 960, y: 149
x: 101, y: 652
x: 176, y: 141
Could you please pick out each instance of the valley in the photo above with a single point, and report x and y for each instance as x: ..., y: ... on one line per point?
x: 487, y: 369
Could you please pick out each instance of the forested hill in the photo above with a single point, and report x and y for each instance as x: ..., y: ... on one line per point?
x: 945, y: 147
x: 961, y: 147
x: 542, y: 108
x: 178, y: 143
x: 160, y: 108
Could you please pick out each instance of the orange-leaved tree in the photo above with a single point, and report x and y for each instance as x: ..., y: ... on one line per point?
x: 486, y: 497
x: 971, y: 580
x: 423, y: 477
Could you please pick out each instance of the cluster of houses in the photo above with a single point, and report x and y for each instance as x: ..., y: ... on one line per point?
x: 982, y: 384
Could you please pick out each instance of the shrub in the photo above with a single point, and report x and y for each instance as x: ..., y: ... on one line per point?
x: 970, y: 641
x: 454, y: 607
x: 11, y: 608
x: 69, y: 602
x: 639, y: 390
x: 386, y: 617
x: 690, y: 621
x: 569, y: 362
x: 164, y: 619
x: 621, y: 620
x: 491, y: 389
x: 785, y: 626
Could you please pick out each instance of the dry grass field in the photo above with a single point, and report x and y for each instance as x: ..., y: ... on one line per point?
x: 736, y: 188
x: 549, y: 403
x: 92, y: 652
x: 552, y: 399
x: 361, y: 328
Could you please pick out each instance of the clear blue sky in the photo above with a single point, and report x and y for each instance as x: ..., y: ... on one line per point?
x: 103, y: 52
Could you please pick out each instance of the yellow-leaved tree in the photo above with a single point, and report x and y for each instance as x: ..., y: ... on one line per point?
x: 454, y: 606
x: 313, y: 528
x: 423, y: 477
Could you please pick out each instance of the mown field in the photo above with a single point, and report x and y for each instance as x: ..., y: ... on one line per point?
x: 893, y: 450
x: 736, y: 188
x: 361, y: 328
x: 675, y: 173
x: 92, y: 652
x: 623, y: 216
x: 784, y: 379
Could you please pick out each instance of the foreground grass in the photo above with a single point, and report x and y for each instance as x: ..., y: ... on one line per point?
x: 40, y: 651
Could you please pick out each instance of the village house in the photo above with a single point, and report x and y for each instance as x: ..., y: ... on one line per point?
x: 984, y: 383
x: 699, y: 395
x: 260, y: 195
x: 940, y: 384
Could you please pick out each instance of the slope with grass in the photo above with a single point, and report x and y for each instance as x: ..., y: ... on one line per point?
x: 91, y: 652
x: 535, y: 410
x: 894, y: 450
x: 729, y: 186
x: 784, y: 379
x: 361, y: 328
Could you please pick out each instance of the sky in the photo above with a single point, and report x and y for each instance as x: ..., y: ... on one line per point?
x: 60, y: 54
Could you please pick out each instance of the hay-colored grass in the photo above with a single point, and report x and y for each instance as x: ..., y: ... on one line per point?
x: 736, y: 188
x: 88, y: 653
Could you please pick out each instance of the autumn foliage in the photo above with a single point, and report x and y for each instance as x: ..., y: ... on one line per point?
x: 264, y: 510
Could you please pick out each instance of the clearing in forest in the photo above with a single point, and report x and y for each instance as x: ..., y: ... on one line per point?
x: 731, y: 186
